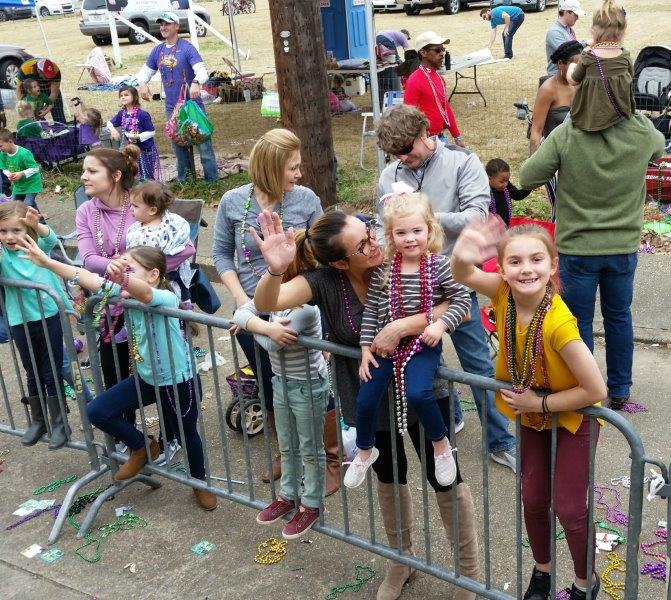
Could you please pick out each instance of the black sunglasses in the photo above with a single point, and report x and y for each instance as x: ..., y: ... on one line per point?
x: 406, y: 149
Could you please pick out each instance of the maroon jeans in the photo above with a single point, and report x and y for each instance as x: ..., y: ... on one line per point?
x: 571, y: 480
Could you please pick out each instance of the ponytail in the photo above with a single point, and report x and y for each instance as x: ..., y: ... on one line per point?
x: 609, y: 22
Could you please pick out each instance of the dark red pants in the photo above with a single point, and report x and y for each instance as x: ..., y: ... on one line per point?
x: 571, y: 481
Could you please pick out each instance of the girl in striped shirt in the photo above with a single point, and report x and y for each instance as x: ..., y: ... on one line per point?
x: 414, y: 278
x: 300, y: 408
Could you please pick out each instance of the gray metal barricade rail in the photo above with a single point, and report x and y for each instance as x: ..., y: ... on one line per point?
x: 12, y: 386
x: 345, y: 520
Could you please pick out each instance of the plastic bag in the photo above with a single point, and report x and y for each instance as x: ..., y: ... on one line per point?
x: 171, y: 126
x: 193, y: 124
x: 270, y: 104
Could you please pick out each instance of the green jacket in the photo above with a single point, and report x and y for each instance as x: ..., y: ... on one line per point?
x: 601, y: 183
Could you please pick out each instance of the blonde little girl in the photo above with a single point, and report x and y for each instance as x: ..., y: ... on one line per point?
x: 415, y: 278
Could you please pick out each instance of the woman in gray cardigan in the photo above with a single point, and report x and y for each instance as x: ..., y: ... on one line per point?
x: 274, y: 168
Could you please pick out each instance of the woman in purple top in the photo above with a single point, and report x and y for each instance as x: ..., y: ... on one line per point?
x: 102, y: 223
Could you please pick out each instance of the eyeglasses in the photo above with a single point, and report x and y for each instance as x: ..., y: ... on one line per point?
x: 436, y: 49
x: 406, y: 149
x: 365, y: 246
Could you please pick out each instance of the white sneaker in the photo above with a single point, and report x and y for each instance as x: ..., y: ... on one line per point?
x: 459, y: 426
x: 169, y: 453
x: 121, y: 447
x: 356, y: 472
x: 446, y: 467
x: 507, y: 458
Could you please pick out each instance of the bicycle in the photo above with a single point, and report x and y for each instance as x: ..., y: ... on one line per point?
x: 239, y: 7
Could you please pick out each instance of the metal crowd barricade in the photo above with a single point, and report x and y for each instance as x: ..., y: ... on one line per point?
x: 12, y: 388
x: 343, y: 515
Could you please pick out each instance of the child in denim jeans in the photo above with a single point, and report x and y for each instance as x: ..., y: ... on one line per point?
x: 299, y: 415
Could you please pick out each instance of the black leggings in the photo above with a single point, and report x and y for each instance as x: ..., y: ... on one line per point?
x: 384, y: 465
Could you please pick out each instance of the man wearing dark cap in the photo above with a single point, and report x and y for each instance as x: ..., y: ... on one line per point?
x: 426, y: 89
x: 179, y: 64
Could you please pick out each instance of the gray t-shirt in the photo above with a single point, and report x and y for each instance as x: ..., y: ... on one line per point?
x: 327, y: 295
x: 556, y: 35
x: 300, y: 209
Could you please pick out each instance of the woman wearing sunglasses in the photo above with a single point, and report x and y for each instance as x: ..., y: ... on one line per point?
x: 346, y: 247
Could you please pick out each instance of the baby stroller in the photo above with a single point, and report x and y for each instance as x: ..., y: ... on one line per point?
x: 652, y: 79
x: 247, y: 394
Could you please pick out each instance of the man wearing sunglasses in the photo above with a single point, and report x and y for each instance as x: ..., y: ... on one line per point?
x: 426, y: 89
x: 457, y: 186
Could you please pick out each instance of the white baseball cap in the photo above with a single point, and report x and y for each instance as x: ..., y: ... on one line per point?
x: 168, y: 17
x: 429, y: 37
x: 573, y: 6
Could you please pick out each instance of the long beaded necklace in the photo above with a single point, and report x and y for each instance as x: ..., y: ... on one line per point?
x: 509, y: 204
x: 657, y: 569
x: 244, y: 228
x: 532, y: 353
x: 119, y: 230
x: 152, y: 327
x: 130, y: 122
x: 443, y: 110
x: 606, y: 85
x: 409, y: 346
x: 104, y: 302
x: 348, y: 307
x: 168, y: 62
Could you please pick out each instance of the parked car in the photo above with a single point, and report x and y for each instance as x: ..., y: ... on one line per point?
x: 53, y: 7
x: 11, y: 58
x: 537, y: 5
x: 142, y: 13
x: 380, y: 5
x: 450, y: 7
x: 15, y: 9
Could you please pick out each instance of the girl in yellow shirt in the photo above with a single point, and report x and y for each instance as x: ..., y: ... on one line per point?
x: 551, y: 371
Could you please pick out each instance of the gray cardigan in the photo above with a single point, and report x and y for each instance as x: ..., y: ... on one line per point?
x: 301, y: 208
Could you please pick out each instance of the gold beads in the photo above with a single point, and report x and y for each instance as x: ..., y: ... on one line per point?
x: 270, y: 551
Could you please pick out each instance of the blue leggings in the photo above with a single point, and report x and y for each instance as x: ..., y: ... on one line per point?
x: 419, y: 375
x: 106, y: 413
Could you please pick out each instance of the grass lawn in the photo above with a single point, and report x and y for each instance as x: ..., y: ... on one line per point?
x: 491, y: 131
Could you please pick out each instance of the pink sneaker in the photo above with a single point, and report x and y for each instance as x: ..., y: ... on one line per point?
x: 301, y: 522
x: 275, y: 511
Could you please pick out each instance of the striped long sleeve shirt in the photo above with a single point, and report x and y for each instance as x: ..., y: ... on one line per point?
x: 377, y: 312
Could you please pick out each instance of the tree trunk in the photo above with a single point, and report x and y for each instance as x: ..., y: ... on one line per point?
x: 298, y: 42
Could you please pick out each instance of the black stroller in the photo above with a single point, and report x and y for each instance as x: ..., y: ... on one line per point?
x: 652, y: 85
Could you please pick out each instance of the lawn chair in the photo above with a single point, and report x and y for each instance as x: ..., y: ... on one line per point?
x: 96, y: 65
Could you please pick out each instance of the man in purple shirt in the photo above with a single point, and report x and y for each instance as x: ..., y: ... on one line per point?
x: 179, y: 64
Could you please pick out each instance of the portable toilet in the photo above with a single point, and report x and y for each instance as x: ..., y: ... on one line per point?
x: 344, y: 26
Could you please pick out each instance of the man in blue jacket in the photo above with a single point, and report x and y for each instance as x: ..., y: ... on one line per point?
x: 511, y: 17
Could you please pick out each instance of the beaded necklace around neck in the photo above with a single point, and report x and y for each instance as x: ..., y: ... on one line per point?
x: 509, y: 204
x: 99, y: 237
x: 244, y: 228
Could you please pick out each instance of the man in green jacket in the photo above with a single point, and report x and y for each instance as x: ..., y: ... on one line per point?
x: 600, y: 198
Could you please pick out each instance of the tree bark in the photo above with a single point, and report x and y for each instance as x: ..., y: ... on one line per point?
x: 298, y: 42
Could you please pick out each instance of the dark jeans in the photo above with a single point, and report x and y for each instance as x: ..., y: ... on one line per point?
x: 508, y: 39
x: 57, y: 112
x: 246, y: 342
x: 614, y: 276
x: 106, y: 413
x: 46, y: 379
x: 384, y: 465
x: 571, y: 480
x: 419, y: 374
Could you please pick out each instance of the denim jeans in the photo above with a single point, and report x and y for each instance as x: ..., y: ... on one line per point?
x: 508, y: 39
x: 27, y: 199
x: 207, y: 159
x: 106, y: 413
x: 470, y: 343
x: 419, y: 374
x: 45, y: 379
x: 300, y: 436
x: 614, y: 276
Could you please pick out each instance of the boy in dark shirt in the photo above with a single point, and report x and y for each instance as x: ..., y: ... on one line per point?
x: 502, y: 192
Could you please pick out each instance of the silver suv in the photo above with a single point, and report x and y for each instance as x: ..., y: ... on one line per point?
x: 450, y: 7
x: 94, y: 21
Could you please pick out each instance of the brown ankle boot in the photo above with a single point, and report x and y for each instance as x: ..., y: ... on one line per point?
x: 277, y: 463
x: 332, y: 478
x: 137, y: 460
x: 206, y: 500
x: 397, y: 575
x: 469, y: 565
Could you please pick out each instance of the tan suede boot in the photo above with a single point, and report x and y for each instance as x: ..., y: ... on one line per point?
x: 137, y: 460
x: 397, y: 575
x: 277, y: 461
x: 332, y: 478
x: 469, y: 565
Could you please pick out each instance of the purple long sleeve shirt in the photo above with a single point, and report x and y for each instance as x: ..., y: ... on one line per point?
x: 109, y: 221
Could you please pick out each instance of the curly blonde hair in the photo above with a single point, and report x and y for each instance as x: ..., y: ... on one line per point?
x: 405, y: 205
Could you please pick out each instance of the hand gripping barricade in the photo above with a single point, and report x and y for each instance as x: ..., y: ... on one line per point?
x: 233, y: 462
x: 52, y: 410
